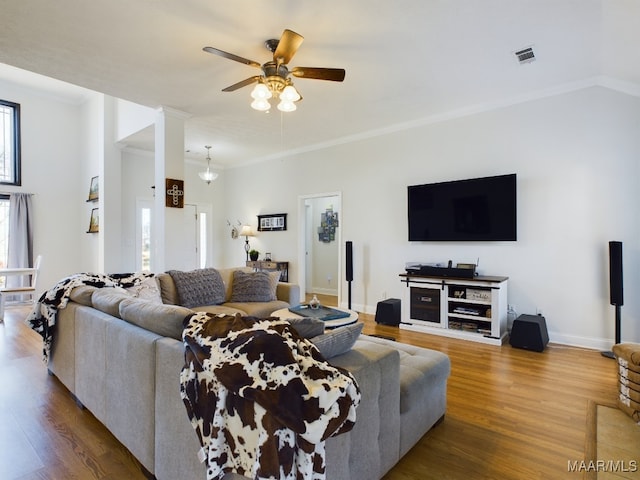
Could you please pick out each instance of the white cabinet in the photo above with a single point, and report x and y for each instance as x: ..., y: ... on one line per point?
x: 471, y: 309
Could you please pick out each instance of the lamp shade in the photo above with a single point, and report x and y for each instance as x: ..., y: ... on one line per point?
x: 208, y: 176
x: 246, y: 231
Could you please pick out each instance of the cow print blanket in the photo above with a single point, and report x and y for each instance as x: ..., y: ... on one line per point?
x: 261, y: 399
x: 42, y: 318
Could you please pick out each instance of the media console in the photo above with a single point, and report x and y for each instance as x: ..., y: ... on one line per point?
x: 466, y: 308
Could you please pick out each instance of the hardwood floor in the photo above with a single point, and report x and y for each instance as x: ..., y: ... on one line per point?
x: 511, y: 414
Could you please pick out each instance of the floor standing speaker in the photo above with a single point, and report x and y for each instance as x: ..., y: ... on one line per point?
x: 349, y: 261
x: 348, y: 271
x: 616, y: 293
x: 530, y: 333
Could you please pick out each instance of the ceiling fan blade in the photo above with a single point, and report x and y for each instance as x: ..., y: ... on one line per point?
x: 332, y: 74
x: 231, y: 56
x: 287, y: 47
x: 243, y: 83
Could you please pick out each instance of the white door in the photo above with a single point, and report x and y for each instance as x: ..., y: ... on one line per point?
x: 196, y: 229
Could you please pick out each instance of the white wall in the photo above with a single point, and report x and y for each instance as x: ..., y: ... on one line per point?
x: 52, y: 152
x: 577, y: 160
x: 137, y: 180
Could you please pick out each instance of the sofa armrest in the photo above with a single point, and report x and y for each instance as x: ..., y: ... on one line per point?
x: 288, y: 292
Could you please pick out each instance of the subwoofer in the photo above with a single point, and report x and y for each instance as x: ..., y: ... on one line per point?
x: 388, y: 312
x: 530, y: 333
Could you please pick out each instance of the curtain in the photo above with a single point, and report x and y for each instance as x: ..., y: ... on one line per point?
x: 20, y: 237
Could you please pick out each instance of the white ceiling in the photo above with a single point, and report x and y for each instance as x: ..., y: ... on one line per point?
x: 407, y: 61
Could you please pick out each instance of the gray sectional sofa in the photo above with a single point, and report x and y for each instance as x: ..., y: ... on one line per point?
x: 121, y: 358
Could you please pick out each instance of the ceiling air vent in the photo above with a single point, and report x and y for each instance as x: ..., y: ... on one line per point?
x: 525, y: 55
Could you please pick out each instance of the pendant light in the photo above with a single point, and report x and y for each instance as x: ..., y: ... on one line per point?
x: 208, y: 176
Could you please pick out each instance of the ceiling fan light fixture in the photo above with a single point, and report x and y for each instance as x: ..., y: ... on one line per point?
x: 274, y: 81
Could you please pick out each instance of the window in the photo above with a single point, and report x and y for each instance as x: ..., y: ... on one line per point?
x: 144, y: 213
x: 9, y: 143
x: 4, y: 233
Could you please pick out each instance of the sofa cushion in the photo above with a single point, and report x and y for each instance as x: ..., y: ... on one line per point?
x: 252, y: 287
x: 227, y: 278
x: 148, y: 289
x: 108, y: 300
x: 420, y: 369
x: 337, y: 341
x: 307, y: 327
x: 165, y: 320
x: 199, y: 287
x: 219, y: 310
x: 168, y: 290
x: 258, y: 309
x: 82, y: 295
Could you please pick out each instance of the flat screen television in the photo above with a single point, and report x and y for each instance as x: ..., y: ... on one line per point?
x: 477, y: 209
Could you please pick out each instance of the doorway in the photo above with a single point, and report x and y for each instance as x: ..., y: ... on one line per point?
x: 197, y: 248
x: 319, y: 248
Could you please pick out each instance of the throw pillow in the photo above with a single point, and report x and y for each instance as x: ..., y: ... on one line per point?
x: 198, y: 287
x: 274, y: 277
x: 252, y: 287
x: 338, y: 341
x: 307, y: 327
x: 146, y: 290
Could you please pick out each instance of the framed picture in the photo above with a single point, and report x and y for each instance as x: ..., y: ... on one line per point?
x: 94, y: 222
x: 276, y: 222
x: 94, y: 191
x: 174, y: 193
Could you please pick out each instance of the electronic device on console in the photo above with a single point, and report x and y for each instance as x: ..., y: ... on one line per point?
x: 461, y: 270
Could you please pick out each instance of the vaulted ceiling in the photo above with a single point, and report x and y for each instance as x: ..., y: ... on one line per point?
x: 407, y: 61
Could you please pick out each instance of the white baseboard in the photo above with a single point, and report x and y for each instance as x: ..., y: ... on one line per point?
x: 592, y: 343
x: 324, y: 291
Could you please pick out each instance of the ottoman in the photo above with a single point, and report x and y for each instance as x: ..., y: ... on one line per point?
x: 628, y: 357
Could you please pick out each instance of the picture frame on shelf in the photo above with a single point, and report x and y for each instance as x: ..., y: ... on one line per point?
x: 94, y: 190
x: 276, y: 222
x: 94, y: 221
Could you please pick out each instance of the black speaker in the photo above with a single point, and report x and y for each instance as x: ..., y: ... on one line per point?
x: 349, y: 260
x: 615, y: 273
x: 388, y: 312
x: 529, y: 332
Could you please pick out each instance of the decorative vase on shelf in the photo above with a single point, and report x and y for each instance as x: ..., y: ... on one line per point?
x: 314, y: 303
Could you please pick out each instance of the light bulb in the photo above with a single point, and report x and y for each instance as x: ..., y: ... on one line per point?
x: 290, y: 94
x: 261, y: 91
x: 286, y: 106
x: 260, y: 104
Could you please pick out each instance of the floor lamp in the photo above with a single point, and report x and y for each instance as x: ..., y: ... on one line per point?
x: 246, y: 232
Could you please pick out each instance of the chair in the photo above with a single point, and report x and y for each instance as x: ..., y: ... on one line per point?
x: 21, y: 291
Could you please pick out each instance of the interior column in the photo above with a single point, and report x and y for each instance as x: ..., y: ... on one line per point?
x: 169, y: 163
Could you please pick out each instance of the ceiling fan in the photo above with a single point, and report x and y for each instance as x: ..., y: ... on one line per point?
x: 275, y: 79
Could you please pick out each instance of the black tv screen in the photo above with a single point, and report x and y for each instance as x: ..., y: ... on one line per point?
x: 477, y: 209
